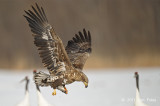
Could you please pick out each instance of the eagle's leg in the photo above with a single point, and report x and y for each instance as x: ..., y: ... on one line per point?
x: 54, y: 92
x: 66, y: 91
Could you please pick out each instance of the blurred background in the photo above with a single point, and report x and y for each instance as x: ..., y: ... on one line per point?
x: 125, y: 33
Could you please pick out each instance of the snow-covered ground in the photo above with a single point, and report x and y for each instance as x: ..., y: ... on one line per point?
x: 111, y: 87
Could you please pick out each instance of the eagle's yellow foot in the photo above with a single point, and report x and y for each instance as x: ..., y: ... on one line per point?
x: 54, y: 92
x: 66, y: 91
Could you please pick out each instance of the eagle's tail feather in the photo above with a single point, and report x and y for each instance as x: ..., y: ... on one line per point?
x: 40, y: 78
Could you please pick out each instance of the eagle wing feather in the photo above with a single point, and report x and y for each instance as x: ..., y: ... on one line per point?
x: 79, y: 48
x: 50, y: 46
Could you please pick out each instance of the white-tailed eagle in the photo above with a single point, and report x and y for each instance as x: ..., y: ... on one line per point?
x: 65, y: 64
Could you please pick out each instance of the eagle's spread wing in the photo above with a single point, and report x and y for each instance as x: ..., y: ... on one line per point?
x: 50, y: 46
x: 79, y: 48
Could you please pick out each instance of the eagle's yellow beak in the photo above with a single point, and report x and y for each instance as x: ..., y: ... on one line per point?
x: 86, y: 84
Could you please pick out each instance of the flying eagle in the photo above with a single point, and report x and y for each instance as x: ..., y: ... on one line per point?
x: 65, y: 64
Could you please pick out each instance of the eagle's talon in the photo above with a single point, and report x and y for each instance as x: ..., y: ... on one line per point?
x: 54, y: 92
x: 66, y: 91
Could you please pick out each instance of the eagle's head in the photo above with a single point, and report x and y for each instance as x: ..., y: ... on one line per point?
x: 85, y: 80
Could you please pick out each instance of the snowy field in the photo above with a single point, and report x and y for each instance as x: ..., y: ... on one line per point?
x: 111, y: 87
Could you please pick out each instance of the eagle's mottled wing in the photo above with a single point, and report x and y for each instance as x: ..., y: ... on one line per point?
x: 50, y: 46
x: 79, y: 48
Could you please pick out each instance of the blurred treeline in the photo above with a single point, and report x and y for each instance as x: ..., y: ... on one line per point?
x: 125, y: 33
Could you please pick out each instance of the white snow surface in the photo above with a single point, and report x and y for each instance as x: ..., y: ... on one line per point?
x: 107, y: 87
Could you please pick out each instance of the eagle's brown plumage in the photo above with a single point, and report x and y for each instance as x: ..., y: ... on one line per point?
x: 79, y: 48
x: 64, y: 64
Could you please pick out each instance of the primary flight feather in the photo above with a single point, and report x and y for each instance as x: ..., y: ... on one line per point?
x: 65, y: 64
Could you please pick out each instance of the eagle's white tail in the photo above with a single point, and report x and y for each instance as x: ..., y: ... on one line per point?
x: 40, y: 78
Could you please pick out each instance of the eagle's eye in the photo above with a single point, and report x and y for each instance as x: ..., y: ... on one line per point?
x: 89, y: 50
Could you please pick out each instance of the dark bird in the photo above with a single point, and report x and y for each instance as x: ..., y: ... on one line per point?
x: 65, y: 64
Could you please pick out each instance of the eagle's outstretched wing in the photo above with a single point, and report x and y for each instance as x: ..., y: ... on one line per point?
x: 79, y: 48
x: 50, y: 46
